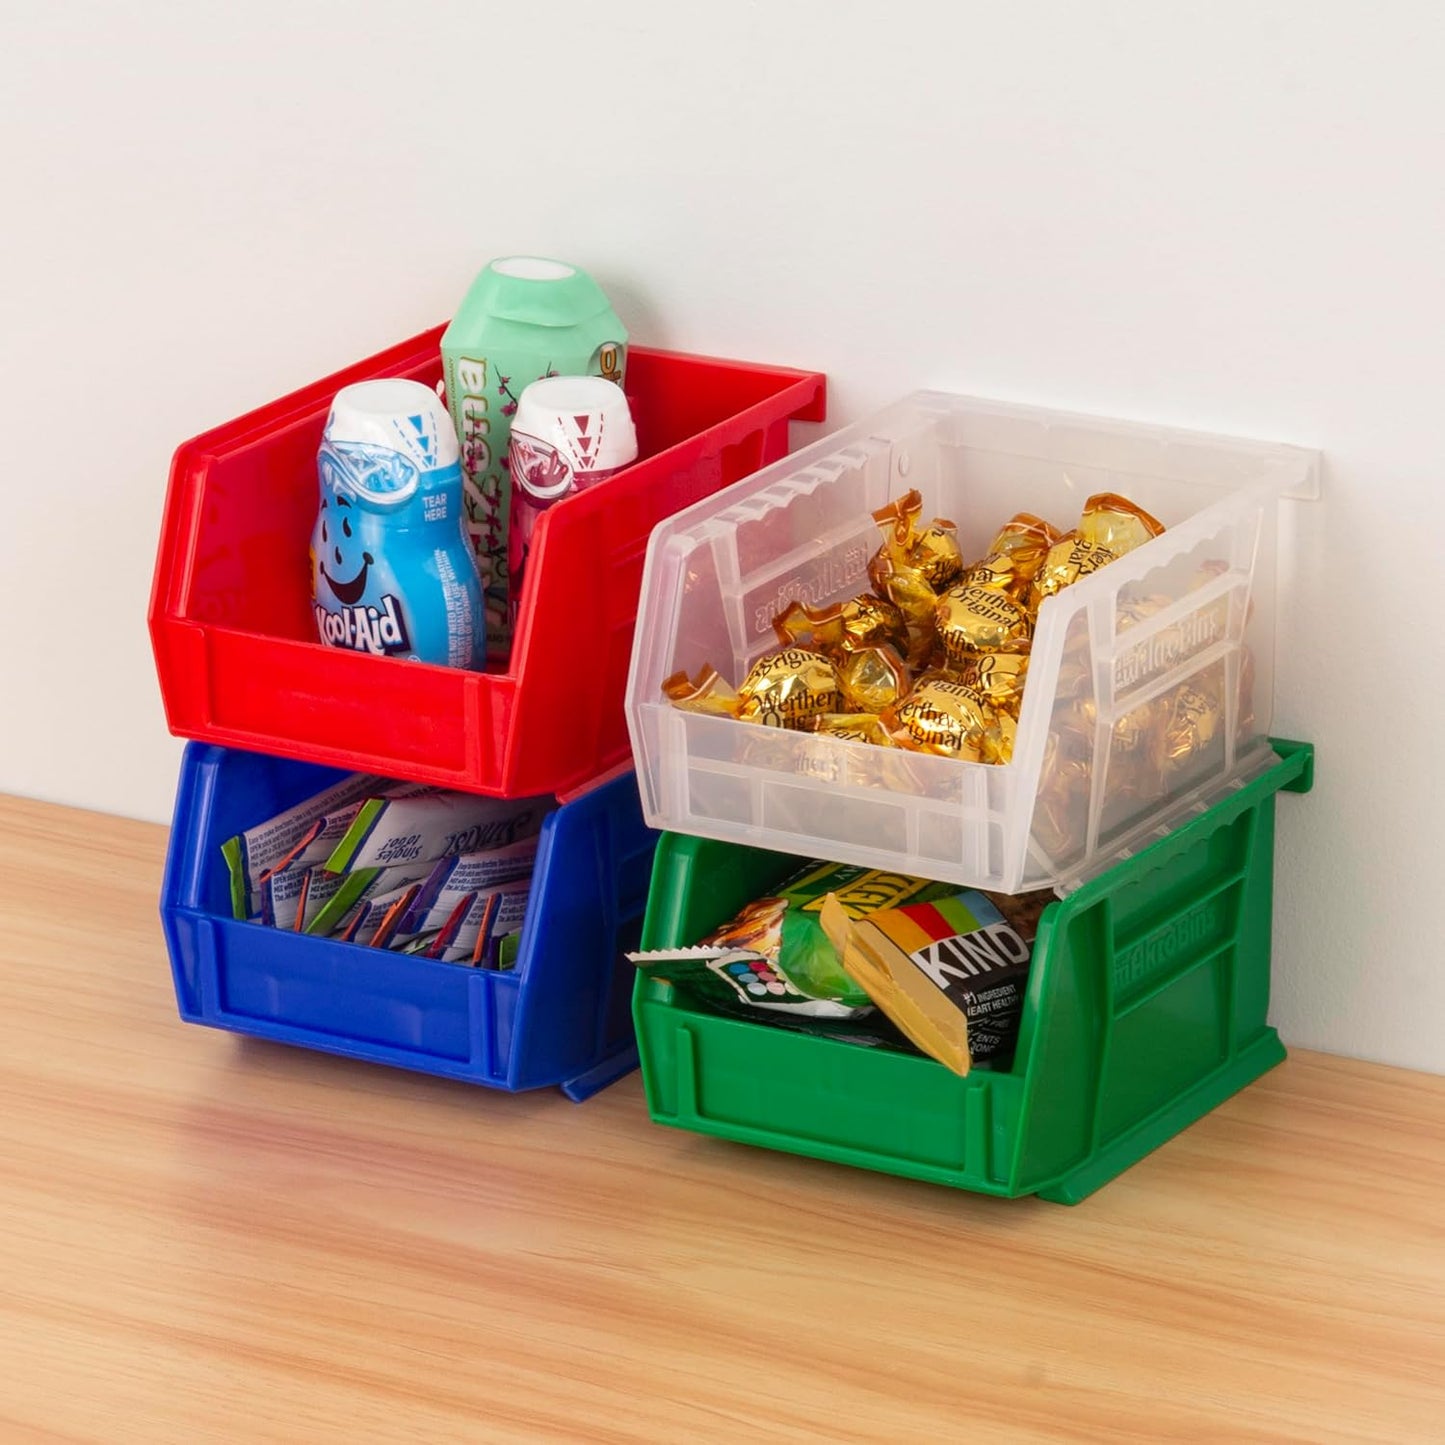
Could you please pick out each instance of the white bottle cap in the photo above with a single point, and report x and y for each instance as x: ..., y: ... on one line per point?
x: 584, y: 421
x: 404, y: 416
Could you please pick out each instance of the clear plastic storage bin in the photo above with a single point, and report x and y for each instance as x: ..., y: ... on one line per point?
x: 717, y: 574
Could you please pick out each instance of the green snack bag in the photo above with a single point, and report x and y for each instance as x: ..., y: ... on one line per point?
x: 773, y: 953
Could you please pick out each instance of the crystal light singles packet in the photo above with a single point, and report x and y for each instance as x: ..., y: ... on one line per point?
x: 452, y: 880
x: 271, y: 844
x: 331, y: 898
x: 493, y: 916
x: 431, y: 825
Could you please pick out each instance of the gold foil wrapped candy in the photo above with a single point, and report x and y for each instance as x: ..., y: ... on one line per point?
x: 708, y: 694
x: 1015, y: 556
x: 971, y: 618
x: 872, y: 679
x: 941, y: 715
x: 862, y: 621
x: 999, y: 676
x: 783, y: 688
x: 858, y: 727
x: 1070, y: 558
x: 912, y: 566
x: 1195, y: 716
x: 1116, y: 524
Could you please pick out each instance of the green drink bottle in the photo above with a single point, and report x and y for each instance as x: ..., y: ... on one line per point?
x: 523, y: 318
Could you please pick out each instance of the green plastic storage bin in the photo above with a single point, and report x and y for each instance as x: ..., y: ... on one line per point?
x: 1145, y: 1008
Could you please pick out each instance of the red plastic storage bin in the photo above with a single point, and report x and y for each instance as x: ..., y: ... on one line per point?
x: 230, y: 614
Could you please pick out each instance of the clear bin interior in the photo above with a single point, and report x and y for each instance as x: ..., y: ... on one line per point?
x: 1173, y: 640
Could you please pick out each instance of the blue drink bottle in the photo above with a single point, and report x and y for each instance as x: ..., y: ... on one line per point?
x: 392, y: 569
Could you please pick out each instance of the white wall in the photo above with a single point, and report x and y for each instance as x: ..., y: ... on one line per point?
x: 1226, y: 216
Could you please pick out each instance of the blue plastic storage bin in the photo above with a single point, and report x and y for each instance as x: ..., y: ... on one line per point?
x: 562, y: 1016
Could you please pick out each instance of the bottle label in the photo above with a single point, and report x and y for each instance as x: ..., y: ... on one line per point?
x: 378, y: 630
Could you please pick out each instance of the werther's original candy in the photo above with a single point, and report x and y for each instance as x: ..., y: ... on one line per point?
x: 783, y: 688
x: 862, y: 621
x: 708, y: 693
x: 1115, y: 522
x: 999, y: 676
x: 1014, y: 556
x: 972, y: 618
x: 872, y: 679
x: 941, y: 715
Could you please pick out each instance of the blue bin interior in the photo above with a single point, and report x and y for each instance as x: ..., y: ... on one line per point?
x: 561, y: 1017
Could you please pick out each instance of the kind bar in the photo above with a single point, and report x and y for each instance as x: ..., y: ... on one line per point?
x: 453, y: 880
x: 432, y: 825
x: 337, y: 895
x: 784, y: 688
x: 951, y: 973
x: 259, y: 850
x: 781, y: 933
x: 708, y: 694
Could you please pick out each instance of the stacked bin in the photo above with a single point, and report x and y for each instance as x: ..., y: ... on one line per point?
x: 1149, y: 986
x: 277, y: 717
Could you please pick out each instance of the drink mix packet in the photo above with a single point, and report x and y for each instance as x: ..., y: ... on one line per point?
x: 452, y: 880
x: 480, y: 926
x: 279, y: 841
x: 950, y: 972
x: 421, y: 828
x: 338, y: 895
x: 774, y: 954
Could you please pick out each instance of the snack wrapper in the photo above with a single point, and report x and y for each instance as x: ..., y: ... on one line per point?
x: 332, y: 898
x: 950, y: 973
x: 1015, y: 556
x: 773, y: 953
x: 480, y: 935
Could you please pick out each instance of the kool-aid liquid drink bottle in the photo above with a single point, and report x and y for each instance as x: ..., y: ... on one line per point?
x: 393, y: 570
x: 523, y: 318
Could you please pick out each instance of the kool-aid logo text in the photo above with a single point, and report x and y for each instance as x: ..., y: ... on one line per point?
x: 380, y: 630
x: 834, y: 574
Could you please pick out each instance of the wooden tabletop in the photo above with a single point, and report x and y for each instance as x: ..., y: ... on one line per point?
x: 203, y: 1237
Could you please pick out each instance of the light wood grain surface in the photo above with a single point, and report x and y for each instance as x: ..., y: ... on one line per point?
x: 208, y: 1238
